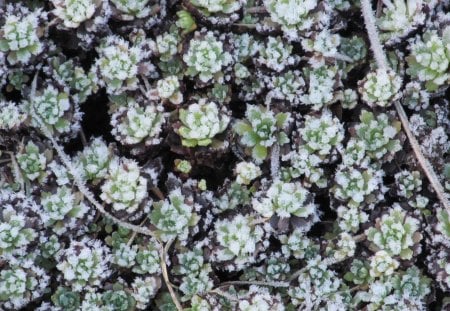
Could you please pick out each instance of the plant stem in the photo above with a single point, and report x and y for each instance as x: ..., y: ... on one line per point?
x: 163, y: 255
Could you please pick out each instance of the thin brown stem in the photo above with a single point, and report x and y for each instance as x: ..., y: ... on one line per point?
x: 165, y: 273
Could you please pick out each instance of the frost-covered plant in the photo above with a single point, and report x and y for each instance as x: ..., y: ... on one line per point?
x: 260, y: 299
x: 378, y: 134
x: 349, y: 98
x: 245, y: 46
x: 303, y: 163
x: 356, y: 185
x: 94, y: 160
x: 354, y: 48
x: 15, y: 234
x: 415, y: 97
x: 21, y: 284
x: 246, y: 172
x: 359, y: 272
x: 324, y: 43
x: 169, y: 89
x: 399, y: 18
x: 321, y: 134
x: 200, y: 123
x: 287, y: 86
x: 134, y: 124
x: 320, y: 81
x: 350, y: 218
x: 217, y: 6
x: 292, y: 15
x: 345, y: 247
x: 298, y: 245
x: 206, y: 57
x: 118, y: 64
x: 234, y: 196
x: 194, y: 271
x: 408, y: 183
x: 19, y: 35
x: 118, y: 298
x: 32, y: 162
x: 411, y: 283
x: 382, y: 264
x: 380, y: 88
x: 261, y: 130
x: 66, y: 299
x: 396, y: 233
x: 315, y: 284
x: 166, y: 45
x: 11, y: 115
x: 276, y: 54
x: 355, y: 153
x: 52, y: 107
x: 74, y: 12
x: 132, y: 8
x: 61, y: 209
x: 429, y: 59
x: 285, y: 200
x: 147, y: 260
x: 84, y: 263
x: 144, y: 289
x: 238, y: 239
x: 173, y: 216
x: 124, y: 188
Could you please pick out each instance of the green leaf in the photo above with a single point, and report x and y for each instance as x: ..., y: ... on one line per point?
x: 242, y: 127
x: 259, y: 153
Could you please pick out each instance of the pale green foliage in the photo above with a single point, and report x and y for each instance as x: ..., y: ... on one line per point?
x: 380, y: 87
x: 147, y: 260
x: 292, y: 15
x: 382, y: 264
x: 19, y: 285
x: 378, y: 134
x: 217, y: 6
x: 14, y: 234
x: 429, y: 59
x: 200, y: 123
x: 408, y: 183
x: 321, y: 81
x: 262, y: 129
x: 51, y: 106
x: 443, y: 225
x: 303, y: 163
x: 19, y: 35
x: 194, y: 271
x: 260, y: 299
x: 93, y: 161
x: 169, y: 88
x: 355, y: 185
x: 11, y: 115
x: 32, y: 162
x: 246, y: 172
x: 84, y: 263
x: 238, y: 239
x: 135, y: 124
x: 74, y: 12
x: 118, y: 64
x: 133, y: 8
x: 350, y: 218
x: 276, y: 54
x: 297, y: 244
x: 359, y: 272
x: 61, y: 207
x: 399, y: 17
x: 173, y: 216
x: 284, y: 200
x: 124, y: 188
x: 321, y: 134
x: 206, y: 57
x: 396, y: 233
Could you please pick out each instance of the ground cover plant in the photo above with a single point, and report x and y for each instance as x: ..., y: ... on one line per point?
x: 204, y: 155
